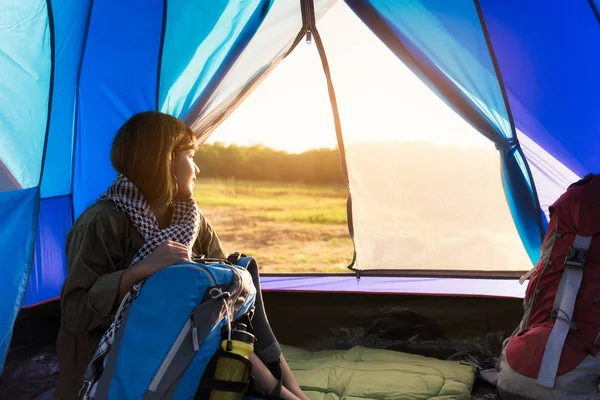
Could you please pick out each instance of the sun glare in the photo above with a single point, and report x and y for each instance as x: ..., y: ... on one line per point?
x: 379, y: 98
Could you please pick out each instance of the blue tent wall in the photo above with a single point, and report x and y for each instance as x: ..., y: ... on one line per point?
x: 26, y: 44
x: 70, y: 24
x: 549, y: 60
x: 192, y: 68
x: 55, y: 214
x: 118, y: 78
x: 26, y: 73
x: 18, y: 213
x: 48, y: 271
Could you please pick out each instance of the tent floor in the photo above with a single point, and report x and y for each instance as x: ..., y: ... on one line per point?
x: 432, y: 326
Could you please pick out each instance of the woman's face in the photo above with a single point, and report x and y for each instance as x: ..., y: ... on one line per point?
x: 185, y: 171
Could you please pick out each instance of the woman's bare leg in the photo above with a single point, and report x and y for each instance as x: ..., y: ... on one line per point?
x: 266, y: 382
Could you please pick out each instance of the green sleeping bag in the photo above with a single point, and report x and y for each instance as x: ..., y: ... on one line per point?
x: 363, y: 373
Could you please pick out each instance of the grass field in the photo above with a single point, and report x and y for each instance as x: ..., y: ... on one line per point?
x: 287, y: 227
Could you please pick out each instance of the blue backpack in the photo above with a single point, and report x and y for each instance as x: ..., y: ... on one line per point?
x: 172, y: 329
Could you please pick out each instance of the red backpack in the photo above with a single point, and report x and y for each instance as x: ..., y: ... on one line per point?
x: 561, y: 323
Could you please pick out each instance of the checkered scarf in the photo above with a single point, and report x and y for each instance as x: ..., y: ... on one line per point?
x: 183, y: 229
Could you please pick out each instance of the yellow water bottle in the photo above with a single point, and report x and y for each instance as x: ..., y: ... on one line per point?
x: 233, y: 365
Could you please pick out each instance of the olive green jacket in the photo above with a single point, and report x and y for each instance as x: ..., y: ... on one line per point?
x: 100, y: 246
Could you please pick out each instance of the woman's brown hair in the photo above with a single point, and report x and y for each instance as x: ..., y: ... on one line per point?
x: 143, y: 151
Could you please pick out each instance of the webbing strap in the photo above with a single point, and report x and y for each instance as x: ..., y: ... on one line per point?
x: 564, y: 304
x: 527, y: 275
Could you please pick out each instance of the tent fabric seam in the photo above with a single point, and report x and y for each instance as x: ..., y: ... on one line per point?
x: 238, y: 47
x: 407, y: 293
x: 497, y: 72
x: 239, y: 97
x: 57, y: 298
x: 51, y: 86
x: 38, y: 188
x: 594, y: 10
x: 309, y: 25
x: 76, y: 116
x: 446, y: 273
x: 509, y: 114
x: 58, y: 196
x: 161, y: 47
x: 432, y: 76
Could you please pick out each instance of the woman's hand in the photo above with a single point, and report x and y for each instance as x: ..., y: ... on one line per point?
x: 166, y: 254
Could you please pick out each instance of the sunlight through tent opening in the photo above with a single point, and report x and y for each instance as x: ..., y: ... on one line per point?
x: 426, y: 187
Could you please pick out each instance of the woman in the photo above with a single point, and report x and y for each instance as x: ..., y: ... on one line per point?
x: 146, y: 221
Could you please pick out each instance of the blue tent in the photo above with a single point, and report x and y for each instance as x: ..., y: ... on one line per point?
x: 72, y: 71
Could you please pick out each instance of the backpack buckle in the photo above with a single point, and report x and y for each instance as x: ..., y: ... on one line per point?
x: 235, y: 257
x: 85, y: 387
x: 576, y: 258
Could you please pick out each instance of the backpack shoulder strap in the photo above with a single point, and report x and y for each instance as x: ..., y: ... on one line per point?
x: 564, y: 304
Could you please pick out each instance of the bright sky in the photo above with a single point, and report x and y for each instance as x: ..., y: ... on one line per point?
x: 379, y: 98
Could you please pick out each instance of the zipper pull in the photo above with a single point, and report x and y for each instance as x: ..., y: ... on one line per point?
x: 195, y: 342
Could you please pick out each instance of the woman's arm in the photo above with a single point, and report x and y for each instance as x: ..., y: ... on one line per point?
x: 130, y: 277
x: 208, y: 242
x: 266, y: 382
x: 95, y: 267
x: 289, y: 380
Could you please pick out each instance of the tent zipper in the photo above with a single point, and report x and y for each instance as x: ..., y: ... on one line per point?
x: 309, y: 27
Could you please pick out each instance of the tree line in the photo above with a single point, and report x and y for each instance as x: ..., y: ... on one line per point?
x: 261, y: 163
